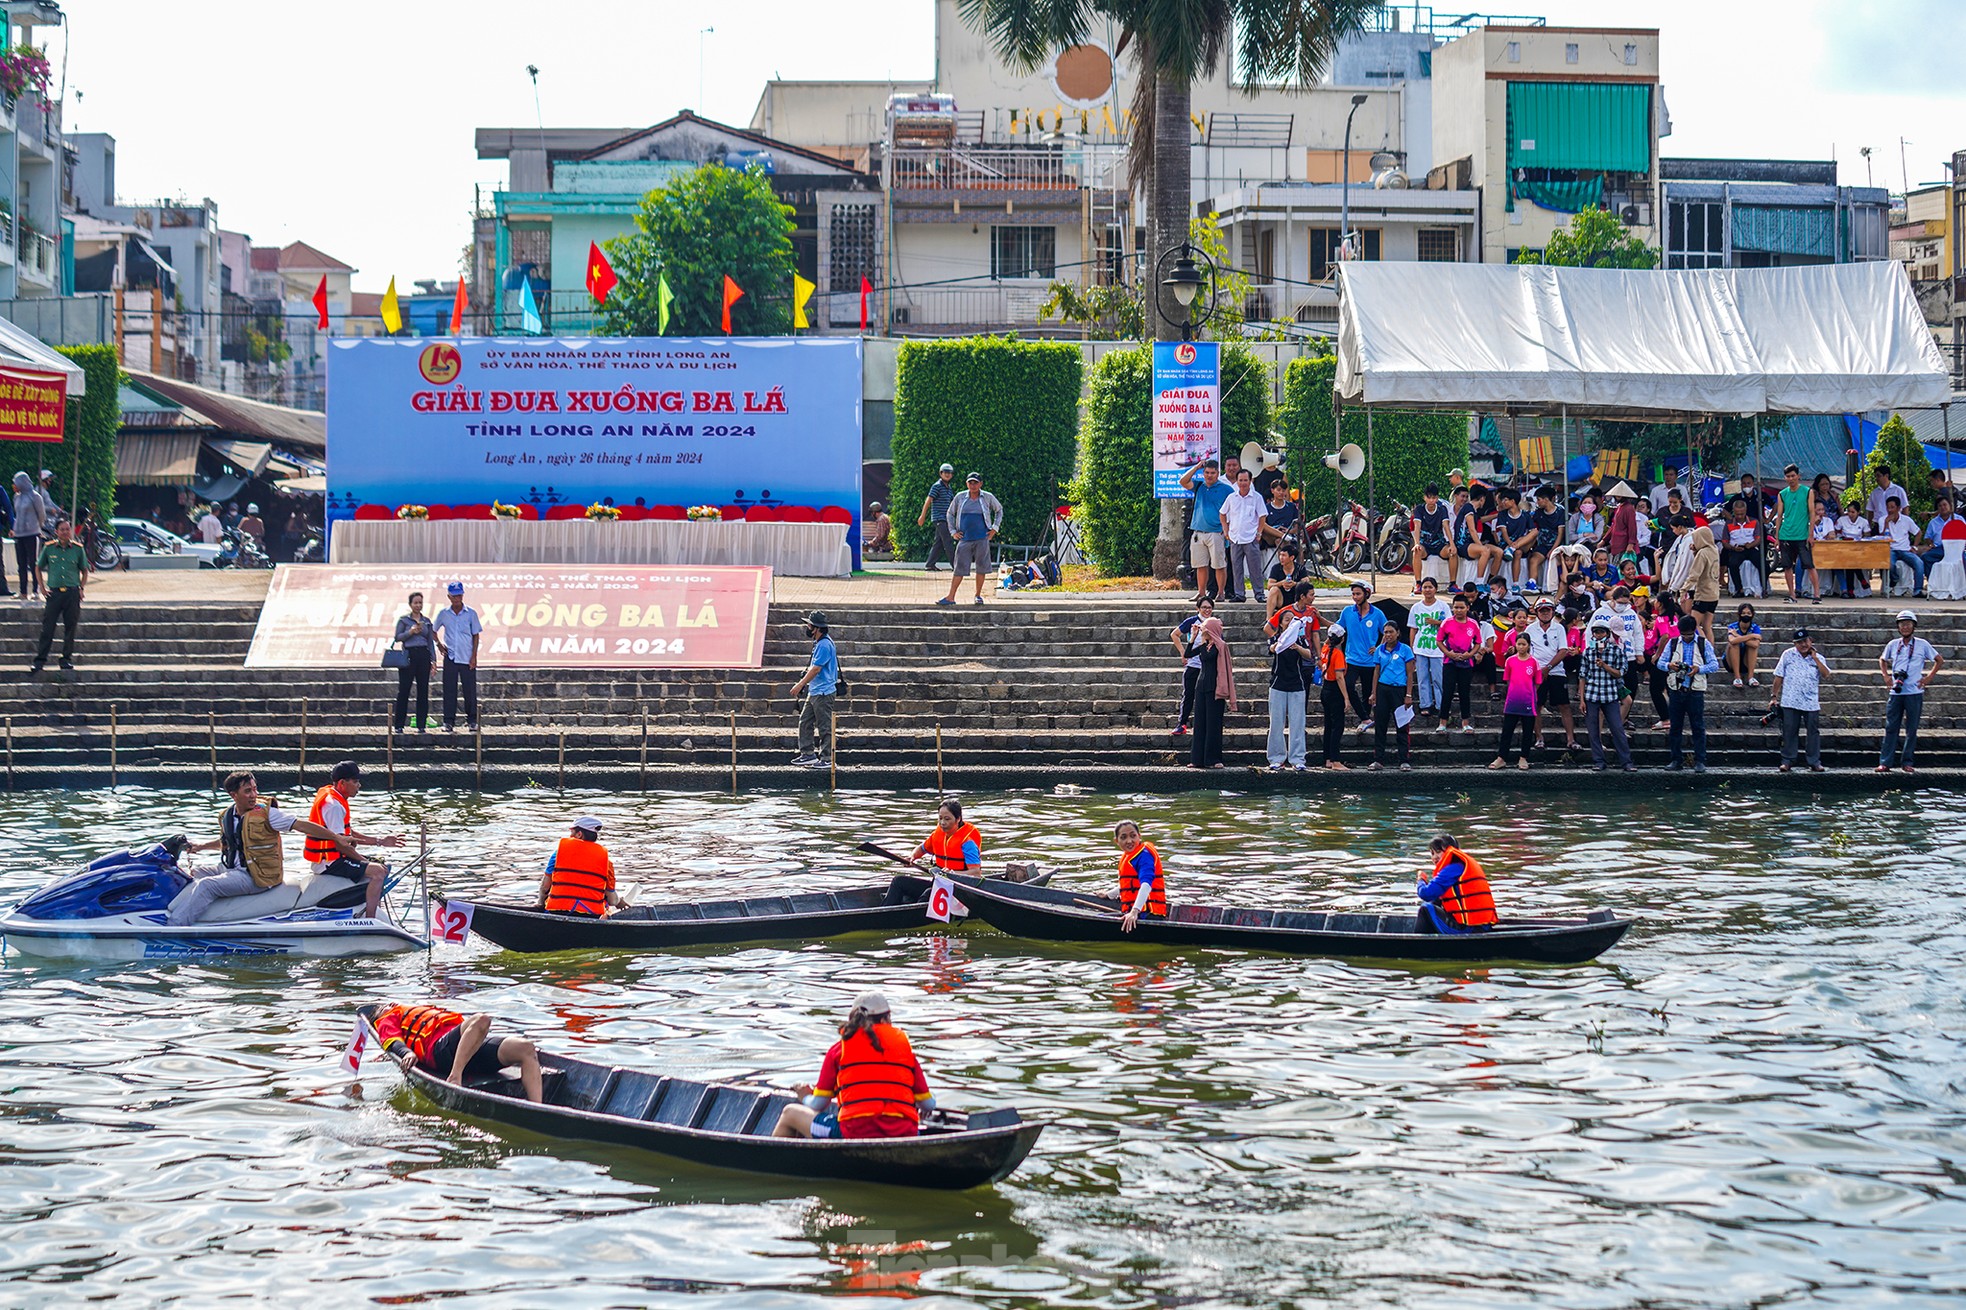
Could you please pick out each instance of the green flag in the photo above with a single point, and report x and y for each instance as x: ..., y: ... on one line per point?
x: 663, y: 295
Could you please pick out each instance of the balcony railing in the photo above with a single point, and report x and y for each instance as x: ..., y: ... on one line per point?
x: 1291, y: 302
x: 987, y: 168
x: 1005, y: 304
x: 40, y: 256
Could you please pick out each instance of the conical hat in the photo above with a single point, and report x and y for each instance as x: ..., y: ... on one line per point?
x: 1623, y: 489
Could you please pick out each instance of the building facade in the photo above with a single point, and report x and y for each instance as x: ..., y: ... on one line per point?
x: 1768, y: 213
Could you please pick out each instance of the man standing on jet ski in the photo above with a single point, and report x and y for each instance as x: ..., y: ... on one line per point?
x: 249, y: 846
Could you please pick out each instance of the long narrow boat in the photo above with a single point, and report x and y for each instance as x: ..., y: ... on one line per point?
x: 728, y: 1126
x: 799, y: 916
x: 1057, y: 915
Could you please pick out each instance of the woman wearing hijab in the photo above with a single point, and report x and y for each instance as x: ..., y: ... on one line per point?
x: 1215, y: 693
x: 1703, y: 581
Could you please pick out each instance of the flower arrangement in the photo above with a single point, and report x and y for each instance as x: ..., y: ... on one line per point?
x: 503, y: 511
x: 600, y: 513
x: 23, y: 69
x: 418, y: 512
x: 700, y: 512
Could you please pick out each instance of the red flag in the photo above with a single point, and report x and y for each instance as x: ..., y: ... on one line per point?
x: 866, y: 290
x: 600, y: 273
x: 732, y: 294
x: 321, y: 302
x: 457, y: 310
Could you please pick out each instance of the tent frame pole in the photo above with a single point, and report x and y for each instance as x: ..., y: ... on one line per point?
x: 1563, y: 455
x: 1371, y: 503
x: 1760, y: 513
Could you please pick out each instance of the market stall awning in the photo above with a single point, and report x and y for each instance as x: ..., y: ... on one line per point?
x: 249, y: 457
x: 156, y: 459
x: 1825, y: 339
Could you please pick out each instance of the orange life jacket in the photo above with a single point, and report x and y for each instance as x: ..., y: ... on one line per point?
x: 422, y: 1026
x: 1130, y: 881
x: 326, y: 852
x: 582, y: 877
x: 1468, y: 902
x: 877, y: 1081
x: 946, y: 848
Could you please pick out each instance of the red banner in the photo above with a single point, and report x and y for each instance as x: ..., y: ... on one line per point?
x: 535, y: 616
x: 33, y: 405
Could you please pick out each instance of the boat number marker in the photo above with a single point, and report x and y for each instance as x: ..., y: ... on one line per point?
x: 454, y: 921
x: 942, y: 902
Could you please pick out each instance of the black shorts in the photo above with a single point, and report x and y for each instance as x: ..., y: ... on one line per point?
x: 1466, y: 551
x: 343, y: 867
x: 1705, y: 606
x: 1795, y: 553
x: 1432, y: 549
x: 484, y: 1062
x: 1634, y: 676
x: 1553, y: 692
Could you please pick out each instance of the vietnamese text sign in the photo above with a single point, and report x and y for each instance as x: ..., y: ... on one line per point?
x: 33, y: 405
x: 666, y: 420
x: 534, y: 616
x: 1187, y: 403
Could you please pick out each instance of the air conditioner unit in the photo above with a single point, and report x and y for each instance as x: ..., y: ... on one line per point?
x: 899, y: 314
x: 1636, y: 215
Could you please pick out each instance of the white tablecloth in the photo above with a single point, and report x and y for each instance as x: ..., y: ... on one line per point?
x: 806, y: 550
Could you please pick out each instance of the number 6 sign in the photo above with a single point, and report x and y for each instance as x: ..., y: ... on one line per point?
x: 453, y: 922
x: 942, y: 902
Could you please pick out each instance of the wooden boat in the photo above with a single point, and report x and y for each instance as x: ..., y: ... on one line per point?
x: 1066, y: 916
x: 800, y: 916
x: 728, y: 1126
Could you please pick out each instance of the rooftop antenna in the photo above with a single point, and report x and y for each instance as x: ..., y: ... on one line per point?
x: 701, y: 33
x: 1904, y: 169
x: 539, y: 120
x: 1865, y: 152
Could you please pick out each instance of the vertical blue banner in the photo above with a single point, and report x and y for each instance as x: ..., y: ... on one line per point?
x: 1187, y: 411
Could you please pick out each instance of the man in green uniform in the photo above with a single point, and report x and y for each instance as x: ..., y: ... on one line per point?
x: 64, y: 572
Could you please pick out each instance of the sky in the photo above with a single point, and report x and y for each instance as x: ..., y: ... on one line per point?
x: 351, y: 128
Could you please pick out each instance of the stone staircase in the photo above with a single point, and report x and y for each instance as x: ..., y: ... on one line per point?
x: 1026, y: 693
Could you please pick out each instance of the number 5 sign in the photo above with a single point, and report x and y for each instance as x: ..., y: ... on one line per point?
x: 453, y: 922
x: 942, y: 902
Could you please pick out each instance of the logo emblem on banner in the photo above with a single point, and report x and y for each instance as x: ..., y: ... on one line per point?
x: 440, y: 364
x: 1185, y: 353
x: 453, y: 921
x: 942, y: 902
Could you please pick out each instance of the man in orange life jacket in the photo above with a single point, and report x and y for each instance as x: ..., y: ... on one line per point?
x: 870, y: 1085
x: 1456, y: 898
x: 954, y: 845
x: 439, y: 1039
x: 1141, y: 885
x: 331, y: 811
x: 579, y: 877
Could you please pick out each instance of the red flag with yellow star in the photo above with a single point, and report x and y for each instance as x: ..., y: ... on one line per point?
x: 600, y: 273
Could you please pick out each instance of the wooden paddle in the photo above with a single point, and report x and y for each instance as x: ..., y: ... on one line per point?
x: 885, y: 854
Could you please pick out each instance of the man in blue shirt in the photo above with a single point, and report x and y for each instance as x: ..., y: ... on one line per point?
x: 820, y: 683
x: 1209, y: 552
x: 1392, y: 687
x: 1361, y: 624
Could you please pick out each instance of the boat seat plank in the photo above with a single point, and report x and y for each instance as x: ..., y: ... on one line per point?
x: 678, y: 1103
x: 1204, y: 914
x: 768, y: 905
x: 730, y: 1110
x: 1599, y: 916
x: 767, y: 1118
x: 631, y: 1094
x: 1249, y: 918
x: 722, y: 909
x: 671, y: 913
x: 1352, y: 923
x: 583, y: 1086
x: 1301, y: 920
x: 811, y: 902
x: 1399, y: 923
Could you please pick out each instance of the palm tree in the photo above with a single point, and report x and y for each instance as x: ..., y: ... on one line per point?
x: 1173, y: 43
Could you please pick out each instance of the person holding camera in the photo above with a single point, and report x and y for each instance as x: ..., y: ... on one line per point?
x: 1687, y: 660
x: 1797, y: 697
x: 1908, y: 663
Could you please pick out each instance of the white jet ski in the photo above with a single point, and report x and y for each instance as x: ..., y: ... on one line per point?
x: 114, y: 909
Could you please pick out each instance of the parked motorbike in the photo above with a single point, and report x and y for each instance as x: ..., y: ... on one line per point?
x: 101, y: 548
x: 1395, y: 537
x: 311, y: 549
x: 240, y: 550
x: 1354, y: 546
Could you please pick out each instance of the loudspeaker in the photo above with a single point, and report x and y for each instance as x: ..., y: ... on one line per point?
x: 1349, y: 461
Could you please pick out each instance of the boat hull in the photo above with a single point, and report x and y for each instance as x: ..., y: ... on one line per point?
x: 1053, y: 915
x: 107, y: 940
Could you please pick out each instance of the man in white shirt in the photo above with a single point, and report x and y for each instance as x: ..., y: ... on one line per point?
x: 1797, y: 695
x: 209, y: 528
x: 1907, y: 663
x: 1242, y: 522
x: 1935, y: 528
x: 1660, y: 490
x: 458, y: 630
x: 1898, y: 528
x: 1549, y: 642
x: 1880, y: 495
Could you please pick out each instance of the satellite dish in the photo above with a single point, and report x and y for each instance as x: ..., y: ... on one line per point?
x: 1257, y: 460
x: 1349, y: 462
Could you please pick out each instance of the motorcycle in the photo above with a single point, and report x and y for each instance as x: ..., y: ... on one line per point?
x: 311, y: 550
x: 1354, y: 538
x: 1395, y: 536
x: 102, y: 549
x: 240, y: 550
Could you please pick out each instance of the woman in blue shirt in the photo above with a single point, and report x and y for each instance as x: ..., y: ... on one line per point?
x: 1392, y: 688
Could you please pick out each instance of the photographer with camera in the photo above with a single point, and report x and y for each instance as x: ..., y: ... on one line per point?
x: 1687, y: 660
x: 1908, y: 662
x: 1797, y: 696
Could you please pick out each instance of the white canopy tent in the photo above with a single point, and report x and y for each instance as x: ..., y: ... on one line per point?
x: 22, y: 349
x: 1825, y: 339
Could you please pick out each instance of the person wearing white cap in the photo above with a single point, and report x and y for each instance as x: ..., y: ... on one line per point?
x: 870, y: 1085
x: 579, y: 877
x: 254, y: 526
x: 935, y: 515
x: 1908, y: 662
x: 55, y: 512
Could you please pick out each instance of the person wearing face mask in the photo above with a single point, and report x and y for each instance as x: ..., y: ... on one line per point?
x: 1628, y: 626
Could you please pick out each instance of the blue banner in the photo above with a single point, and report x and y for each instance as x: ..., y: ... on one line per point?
x: 626, y: 420
x: 1187, y: 411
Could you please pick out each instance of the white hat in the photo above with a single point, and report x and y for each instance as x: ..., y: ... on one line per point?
x: 1623, y: 489
x: 1907, y: 614
x: 587, y: 823
x: 252, y: 509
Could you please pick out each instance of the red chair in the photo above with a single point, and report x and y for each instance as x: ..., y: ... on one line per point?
x: 632, y: 513
x: 733, y: 513
x: 374, y: 514
x: 437, y: 513
x: 761, y: 514
x: 529, y: 513
x: 667, y: 513
x: 836, y: 514
x: 803, y: 514
x: 471, y: 511
x: 561, y: 513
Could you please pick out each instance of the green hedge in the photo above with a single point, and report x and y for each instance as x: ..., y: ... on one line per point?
x: 90, y: 429
x: 1409, y: 449
x: 1006, y: 409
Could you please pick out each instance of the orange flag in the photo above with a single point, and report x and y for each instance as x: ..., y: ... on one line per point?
x: 732, y: 294
x: 457, y: 310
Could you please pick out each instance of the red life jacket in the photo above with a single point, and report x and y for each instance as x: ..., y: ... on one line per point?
x: 1130, y: 881
x: 582, y: 878
x: 946, y: 848
x: 877, y: 1081
x: 326, y: 852
x: 422, y: 1026
x: 1468, y: 902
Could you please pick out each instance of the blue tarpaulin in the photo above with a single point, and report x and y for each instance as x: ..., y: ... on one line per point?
x: 1864, y: 433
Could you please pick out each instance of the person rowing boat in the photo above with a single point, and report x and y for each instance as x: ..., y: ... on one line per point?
x: 1456, y: 898
x: 452, y: 1045
x: 954, y: 845
x: 871, y: 1084
x: 1142, y: 888
x: 579, y: 876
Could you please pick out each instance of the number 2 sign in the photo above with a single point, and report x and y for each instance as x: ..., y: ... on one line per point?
x: 453, y: 922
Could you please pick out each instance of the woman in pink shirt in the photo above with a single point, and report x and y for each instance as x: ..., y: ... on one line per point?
x: 1522, y: 673
x: 1662, y: 625
x: 1460, y: 640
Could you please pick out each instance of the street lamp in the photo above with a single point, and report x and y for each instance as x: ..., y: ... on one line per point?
x: 1345, y: 192
x: 1184, y: 281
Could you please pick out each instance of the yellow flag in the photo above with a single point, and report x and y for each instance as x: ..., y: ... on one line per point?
x: 801, y: 293
x: 392, y: 313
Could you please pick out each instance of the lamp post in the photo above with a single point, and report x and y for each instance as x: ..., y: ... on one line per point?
x: 1345, y: 180
x: 1185, y: 281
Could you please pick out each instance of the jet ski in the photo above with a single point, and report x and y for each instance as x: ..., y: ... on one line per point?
x: 114, y: 909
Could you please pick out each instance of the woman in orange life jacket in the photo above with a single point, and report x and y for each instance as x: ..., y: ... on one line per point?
x: 1455, y: 898
x: 439, y: 1039
x: 870, y: 1085
x: 1141, y: 885
x: 579, y: 877
x: 954, y: 845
